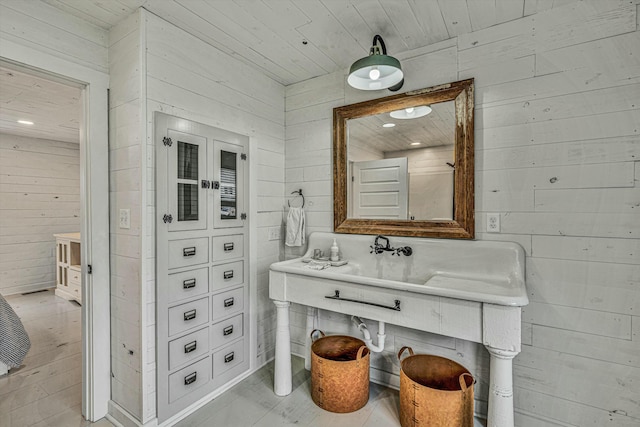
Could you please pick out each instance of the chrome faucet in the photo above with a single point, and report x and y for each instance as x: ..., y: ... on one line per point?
x: 379, y: 248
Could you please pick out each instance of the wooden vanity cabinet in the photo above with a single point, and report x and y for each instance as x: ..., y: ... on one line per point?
x: 68, y: 266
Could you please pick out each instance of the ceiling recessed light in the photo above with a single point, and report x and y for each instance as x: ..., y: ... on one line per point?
x: 25, y: 122
x: 388, y: 125
x: 415, y: 143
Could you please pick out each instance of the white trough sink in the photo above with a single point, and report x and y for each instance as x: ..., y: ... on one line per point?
x: 481, y: 271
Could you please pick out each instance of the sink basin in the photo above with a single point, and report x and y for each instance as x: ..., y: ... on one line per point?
x: 482, y: 271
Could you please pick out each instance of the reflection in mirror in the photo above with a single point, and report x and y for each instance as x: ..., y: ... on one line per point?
x: 382, y: 184
x: 404, y: 171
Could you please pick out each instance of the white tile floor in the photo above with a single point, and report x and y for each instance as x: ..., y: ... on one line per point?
x: 46, y: 390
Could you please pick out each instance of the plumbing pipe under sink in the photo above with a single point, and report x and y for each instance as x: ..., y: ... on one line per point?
x: 367, y: 335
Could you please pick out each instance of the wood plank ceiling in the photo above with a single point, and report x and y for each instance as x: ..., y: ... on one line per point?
x: 295, y: 40
x: 288, y: 40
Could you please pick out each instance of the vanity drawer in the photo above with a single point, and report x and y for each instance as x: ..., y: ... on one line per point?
x: 188, y: 315
x: 188, y: 284
x: 227, y: 247
x: 228, y: 357
x: 188, y: 348
x: 226, y: 275
x: 188, y: 379
x: 227, y: 303
x: 186, y: 252
x: 226, y: 331
x: 74, y: 277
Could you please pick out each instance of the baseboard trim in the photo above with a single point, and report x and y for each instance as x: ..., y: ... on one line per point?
x: 22, y: 289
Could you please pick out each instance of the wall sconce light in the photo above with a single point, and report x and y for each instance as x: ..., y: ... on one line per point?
x: 376, y: 71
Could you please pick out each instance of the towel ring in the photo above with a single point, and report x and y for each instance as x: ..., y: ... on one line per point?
x: 299, y: 193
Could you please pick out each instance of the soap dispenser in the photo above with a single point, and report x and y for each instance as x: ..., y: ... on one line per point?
x: 335, y: 252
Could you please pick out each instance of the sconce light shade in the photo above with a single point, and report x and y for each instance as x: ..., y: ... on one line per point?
x: 376, y: 71
x: 411, y: 112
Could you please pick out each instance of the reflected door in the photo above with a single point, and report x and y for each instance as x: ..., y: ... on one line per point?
x: 380, y: 189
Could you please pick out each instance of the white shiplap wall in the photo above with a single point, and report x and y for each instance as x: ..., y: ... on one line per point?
x: 39, y: 196
x: 557, y: 148
x: 125, y: 192
x: 157, y: 67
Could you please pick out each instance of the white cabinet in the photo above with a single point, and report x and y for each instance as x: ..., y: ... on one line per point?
x: 68, y: 272
x: 201, y: 268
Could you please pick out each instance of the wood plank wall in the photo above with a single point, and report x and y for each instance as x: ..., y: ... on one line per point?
x: 125, y: 192
x: 557, y: 156
x: 39, y: 196
x: 157, y: 67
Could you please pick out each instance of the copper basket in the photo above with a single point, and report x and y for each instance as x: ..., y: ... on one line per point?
x: 339, y: 373
x: 434, y: 392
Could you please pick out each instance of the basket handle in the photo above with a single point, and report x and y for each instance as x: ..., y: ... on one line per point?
x: 314, y: 331
x: 403, y: 349
x: 463, y: 383
x: 361, y: 352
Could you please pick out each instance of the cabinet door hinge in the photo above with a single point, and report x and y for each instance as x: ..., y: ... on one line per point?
x: 243, y: 156
x: 167, y: 141
x: 89, y: 269
x: 243, y: 216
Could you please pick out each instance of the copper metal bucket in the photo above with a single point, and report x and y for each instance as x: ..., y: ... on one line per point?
x: 434, y: 392
x: 339, y: 373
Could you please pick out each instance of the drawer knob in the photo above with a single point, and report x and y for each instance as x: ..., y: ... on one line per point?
x: 228, y: 302
x: 190, y: 315
x: 228, y: 247
x: 228, y: 274
x: 189, y: 283
x: 227, y: 331
x: 188, y: 348
x: 191, y: 378
x: 191, y: 251
x: 229, y: 357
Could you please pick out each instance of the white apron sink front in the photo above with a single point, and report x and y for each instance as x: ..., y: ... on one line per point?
x: 472, y: 290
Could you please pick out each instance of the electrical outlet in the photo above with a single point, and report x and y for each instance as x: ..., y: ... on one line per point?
x: 493, y: 223
x: 274, y: 233
x: 125, y: 218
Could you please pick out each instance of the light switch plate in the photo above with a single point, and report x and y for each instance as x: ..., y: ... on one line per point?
x: 125, y: 218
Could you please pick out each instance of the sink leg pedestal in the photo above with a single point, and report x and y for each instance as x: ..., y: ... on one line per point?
x: 500, y: 388
x: 282, y: 369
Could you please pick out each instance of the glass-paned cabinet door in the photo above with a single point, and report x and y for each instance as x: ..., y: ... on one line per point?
x: 229, y: 173
x: 186, y: 170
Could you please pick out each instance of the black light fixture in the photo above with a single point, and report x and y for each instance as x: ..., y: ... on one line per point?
x: 376, y: 71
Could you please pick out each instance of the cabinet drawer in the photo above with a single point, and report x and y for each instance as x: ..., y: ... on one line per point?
x: 226, y: 331
x: 186, y: 252
x: 188, y: 315
x: 74, y: 277
x: 188, y: 284
x: 228, y: 357
x: 227, y: 303
x: 188, y: 348
x: 188, y: 379
x: 227, y: 247
x: 226, y: 275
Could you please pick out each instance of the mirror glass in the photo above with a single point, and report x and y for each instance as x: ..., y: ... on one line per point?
x: 403, y: 164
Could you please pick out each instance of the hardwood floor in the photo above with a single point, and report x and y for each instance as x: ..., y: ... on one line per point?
x: 46, y: 390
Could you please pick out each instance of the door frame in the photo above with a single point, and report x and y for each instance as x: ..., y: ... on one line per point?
x: 94, y: 210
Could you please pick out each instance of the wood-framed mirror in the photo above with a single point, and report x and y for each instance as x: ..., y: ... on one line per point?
x: 383, y: 185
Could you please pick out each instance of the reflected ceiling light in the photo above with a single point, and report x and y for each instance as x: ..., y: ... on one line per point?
x: 411, y: 112
x: 388, y: 125
x: 376, y: 71
x: 25, y: 122
x: 415, y: 143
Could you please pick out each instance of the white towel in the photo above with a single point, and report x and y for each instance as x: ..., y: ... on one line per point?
x: 295, y: 227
